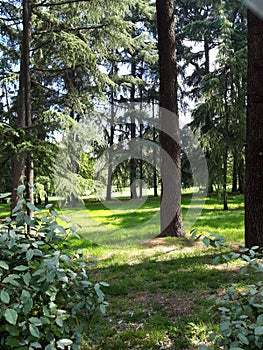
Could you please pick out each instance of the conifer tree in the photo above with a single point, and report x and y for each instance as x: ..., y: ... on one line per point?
x: 171, y: 213
x: 254, y: 147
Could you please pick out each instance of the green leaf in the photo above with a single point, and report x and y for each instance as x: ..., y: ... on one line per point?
x: 11, y: 316
x: 48, y: 206
x: 11, y: 279
x: 49, y: 347
x: 27, y: 219
x: 4, y: 265
x: 243, y: 339
x: 34, y: 331
x: 12, y: 341
x: 102, y: 309
x: 59, y: 322
x: 21, y: 268
x: 19, y: 206
x: 36, y: 321
x: 21, y: 189
x: 260, y: 319
x: 234, y: 256
x: 104, y: 284
x: 258, y: 330
x: 5, y: 298
x: 206, y: 241
x: 246, y: 258
x: 64, y: 342
x: 36, y: 345
x: 4, y: 195
x: 32, y: 207
x: 29, y: 254
x: 27, y: 278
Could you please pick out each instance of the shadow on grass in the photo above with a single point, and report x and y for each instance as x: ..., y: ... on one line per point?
x: 160, y: 292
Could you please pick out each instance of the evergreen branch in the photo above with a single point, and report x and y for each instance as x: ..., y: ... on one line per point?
x: 68, y: 30
x: 67, y: 2
x: 58, y: 70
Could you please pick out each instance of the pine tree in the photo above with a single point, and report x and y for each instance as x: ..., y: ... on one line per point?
x: 254, y: 148
x: 171, y: 214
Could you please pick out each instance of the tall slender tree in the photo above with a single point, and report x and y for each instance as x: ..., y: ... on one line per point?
x: 254, y: 149
x: 23, y: 166
x: 171, y: 213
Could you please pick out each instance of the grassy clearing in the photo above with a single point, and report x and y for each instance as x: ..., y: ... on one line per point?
x: 159, y: 294
x: 125, y: 223
x: 159, y: 288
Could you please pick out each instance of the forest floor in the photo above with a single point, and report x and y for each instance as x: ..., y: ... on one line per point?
x: 160, y: 289
x: 159, y: 294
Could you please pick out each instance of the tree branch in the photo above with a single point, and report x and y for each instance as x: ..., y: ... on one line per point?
x: 67, y: 2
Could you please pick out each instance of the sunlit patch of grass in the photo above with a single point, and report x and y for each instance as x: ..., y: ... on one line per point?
x: 159, y: 288
x: 131, y: 223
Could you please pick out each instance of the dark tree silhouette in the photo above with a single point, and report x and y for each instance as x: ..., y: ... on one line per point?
x: 254, y: 149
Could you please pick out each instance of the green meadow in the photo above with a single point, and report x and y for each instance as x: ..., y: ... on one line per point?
x: 159, y: 288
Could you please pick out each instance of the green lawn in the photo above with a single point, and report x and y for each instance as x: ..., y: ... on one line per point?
x: 127, y: 224
x: 159, y: 288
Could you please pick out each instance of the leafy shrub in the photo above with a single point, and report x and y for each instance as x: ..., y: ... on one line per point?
x: 240, y: 309
x: 46, y: 298
x: 241, y: 318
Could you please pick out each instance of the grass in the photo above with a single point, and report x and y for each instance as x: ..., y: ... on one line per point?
x: 126, y: 223
x: 159, y: 288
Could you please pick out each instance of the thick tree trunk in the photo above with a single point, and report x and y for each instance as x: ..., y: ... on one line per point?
x: 23, y: 166
x: 171, y: 214
x: 254, y: 150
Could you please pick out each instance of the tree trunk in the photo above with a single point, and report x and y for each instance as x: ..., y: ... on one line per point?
x: 225, y: 152
x: 241, y: 177
x: 133, y: 189
x: 171, y: 213
x: 109, y: 180
x: 24, y: 117
x: 254, y: 149
x: 225, y: 156
x: 234, y: 174
x: 155, y: 184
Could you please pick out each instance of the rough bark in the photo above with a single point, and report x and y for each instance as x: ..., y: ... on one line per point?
x: 133, y: 162
x: 254, y: 149
x: 23, y: 166
x: 170, y: 211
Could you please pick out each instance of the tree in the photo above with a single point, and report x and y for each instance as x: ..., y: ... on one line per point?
x: 254, y: 147
x: 23, y: 166
x: 70, y: 42
x: 170, y: 211
x: 219, y: 117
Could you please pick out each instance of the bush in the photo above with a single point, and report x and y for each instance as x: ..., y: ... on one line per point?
x: 46, y: 298
x: 240, y: 308
x: 241, y: 318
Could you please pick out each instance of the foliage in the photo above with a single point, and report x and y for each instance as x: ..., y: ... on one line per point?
x: 239, y: 307
x: 209, y: 238
x: 47, y: 300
